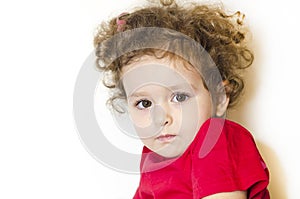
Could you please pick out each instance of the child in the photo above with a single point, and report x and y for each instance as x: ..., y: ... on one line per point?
x: 177, y: 68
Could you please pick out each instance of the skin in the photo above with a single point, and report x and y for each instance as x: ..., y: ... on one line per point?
x: 164, y: 115
x: 163, y: 112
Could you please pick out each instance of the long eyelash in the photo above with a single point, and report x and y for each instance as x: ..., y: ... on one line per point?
x: 140, y: 100
x: 180, y: 93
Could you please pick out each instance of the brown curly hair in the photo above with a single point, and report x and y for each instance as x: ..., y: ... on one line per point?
x: 221, y: 35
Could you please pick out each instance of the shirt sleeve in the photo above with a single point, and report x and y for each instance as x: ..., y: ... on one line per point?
x: 232, y: 162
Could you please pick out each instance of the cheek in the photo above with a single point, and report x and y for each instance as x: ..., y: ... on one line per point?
x: 204, y: 105
x: 195, y: 113
x: 177, y: 115
x: 189, y: 117
x: 140, y: 118
x: 143, y: 124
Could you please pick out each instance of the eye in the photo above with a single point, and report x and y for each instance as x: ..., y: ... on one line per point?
x: 143, y: 104
x: 180, y: 97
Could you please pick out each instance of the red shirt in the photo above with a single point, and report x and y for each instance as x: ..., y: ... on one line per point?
x: 223, y: 157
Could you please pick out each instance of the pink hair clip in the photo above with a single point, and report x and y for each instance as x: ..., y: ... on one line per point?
x: 121, y: 22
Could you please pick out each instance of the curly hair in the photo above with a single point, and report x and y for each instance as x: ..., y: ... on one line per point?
x: 221, y: 35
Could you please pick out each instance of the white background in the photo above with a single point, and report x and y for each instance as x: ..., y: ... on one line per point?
x: 42, y: 47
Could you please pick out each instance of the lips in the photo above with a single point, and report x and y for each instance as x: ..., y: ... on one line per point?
x: 166, y: 138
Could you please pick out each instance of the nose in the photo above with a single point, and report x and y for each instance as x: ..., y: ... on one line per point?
x: 167, y: 120
x: 161, y: 115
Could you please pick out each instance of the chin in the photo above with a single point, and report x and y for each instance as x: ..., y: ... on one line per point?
x: 170, y: 152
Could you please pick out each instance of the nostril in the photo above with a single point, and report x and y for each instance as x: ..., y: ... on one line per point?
x: 168, y: 120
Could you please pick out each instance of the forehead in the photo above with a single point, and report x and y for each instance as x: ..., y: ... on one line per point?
x: 175, y: 64
x: 159, y: 71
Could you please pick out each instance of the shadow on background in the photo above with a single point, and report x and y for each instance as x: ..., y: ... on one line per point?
x: 240, y: 112
x: 277, y: 186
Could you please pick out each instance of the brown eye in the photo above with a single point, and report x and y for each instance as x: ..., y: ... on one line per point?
x: 143, y: 104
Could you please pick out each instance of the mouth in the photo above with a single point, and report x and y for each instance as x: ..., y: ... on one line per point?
x: 166, y: 138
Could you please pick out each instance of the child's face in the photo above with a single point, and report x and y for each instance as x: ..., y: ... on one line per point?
x: 167, y: 103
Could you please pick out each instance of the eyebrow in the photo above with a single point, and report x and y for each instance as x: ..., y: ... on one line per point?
x: 138, y: 94
x: 179, y: 86
x: 173, y: 87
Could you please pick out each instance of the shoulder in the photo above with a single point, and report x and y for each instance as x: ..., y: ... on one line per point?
x: 237, y: 136
x: 222, y: 135
x: 232, y: 128
x: 225, y: 159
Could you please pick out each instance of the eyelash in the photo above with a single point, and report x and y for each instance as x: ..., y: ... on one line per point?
x: 140, y: 101
x: 186, y: 95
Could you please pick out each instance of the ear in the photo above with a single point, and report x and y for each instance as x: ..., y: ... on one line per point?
x: 222, y: 105
x: 223, y: 101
